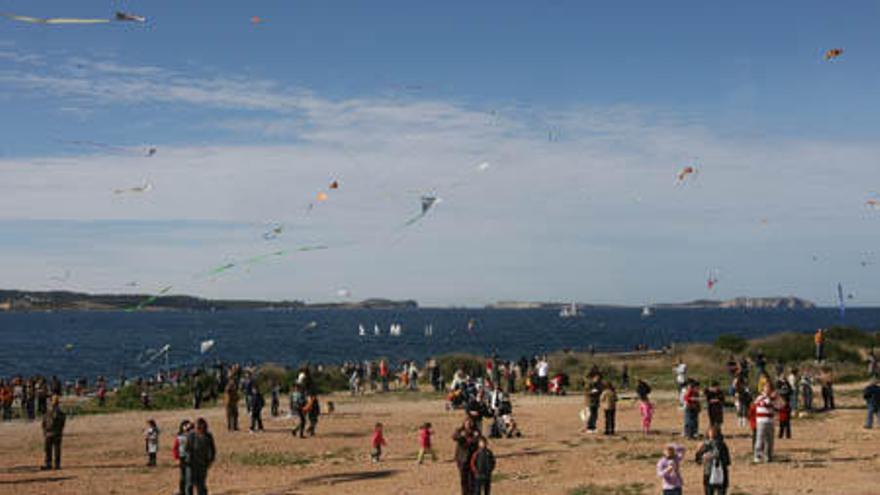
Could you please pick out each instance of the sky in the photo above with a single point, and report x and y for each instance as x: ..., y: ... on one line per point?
x: 550, y: 131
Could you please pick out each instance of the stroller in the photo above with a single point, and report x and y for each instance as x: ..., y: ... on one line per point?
x: 504, y: 424
x: 558, y: 384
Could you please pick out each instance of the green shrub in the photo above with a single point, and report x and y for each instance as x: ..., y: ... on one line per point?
x: 731, y: 343
x: 450, y: 363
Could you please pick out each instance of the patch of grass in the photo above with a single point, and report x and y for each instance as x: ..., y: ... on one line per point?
x: 626, y: 489
x: 499, y: 477
x: 258, y: 458
x: 636, y: 456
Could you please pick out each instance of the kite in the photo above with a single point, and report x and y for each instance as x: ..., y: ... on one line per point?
x: 146, y: 187
x: 483, y: 167
x: 53, y: 20
x: 150, y: 300
x: 206, y: 346
x: 873, y: 203
x: 274, y: 232
x: 322, y: 196
x: 256, y: 20
x: 684, y: 173
x: 334, y: 185
x: 712, y: 280
x: 428, y: 201
x: 126, y: 17
x: 833, y: 54
x: 147, y: 151
x: 222, y: 268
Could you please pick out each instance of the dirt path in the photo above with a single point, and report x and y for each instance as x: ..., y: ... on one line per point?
x: 830, y: 453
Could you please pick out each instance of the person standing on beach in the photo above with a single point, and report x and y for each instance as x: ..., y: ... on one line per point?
x: 743, y: 397
x: 297, y: 403
x: 151, y: 442
x: 257, y: 404
x: 53, y: 431
x: 312, y: 409
x: 827, y: 381
x: 807, y: 390
x: 230, y: 400
x: 465, y: 438
x: 180, y: 453
x: 276, y: 402
x: 669, y: 469
x: 542, y: 369
x: 715, y: 404
x: 608, y: 402
x: 376, y: 443
x: 201, y: 452
x: 765, y: 411
x: 482, y: 465
x: 819, y: 340
x: 681, y: 371
x: 872, y: 402
x: 383, y: 374
x: 691, y: 401
x: 593, y: 392
x: 793, y: 380
x: 715, y: 458
x: 646, y: 411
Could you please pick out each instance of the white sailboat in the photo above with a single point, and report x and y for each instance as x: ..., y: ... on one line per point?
x: 429, y: 330
x: 361, y: 330
x: 376, y: 330
x: 394, y: 330
x: 571, y: 311
x: 647, y: 311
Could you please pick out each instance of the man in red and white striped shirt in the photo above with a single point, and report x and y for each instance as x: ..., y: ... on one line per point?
x: 765, y: 410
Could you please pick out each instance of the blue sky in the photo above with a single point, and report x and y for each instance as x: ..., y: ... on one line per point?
x: 396, y: 99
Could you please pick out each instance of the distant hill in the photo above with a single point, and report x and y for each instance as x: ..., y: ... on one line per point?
x: 736, y: 303
x: 23, y: 301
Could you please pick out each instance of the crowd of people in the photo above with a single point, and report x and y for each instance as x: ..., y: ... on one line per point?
x: 764, y: 397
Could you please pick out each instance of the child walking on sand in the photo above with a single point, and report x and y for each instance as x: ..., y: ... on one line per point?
x: 646, y: 410
x: 377, y: 443
x: 151, y: 442
x: 785, y: 420
x: 668, y: 469
x: 425, y: 445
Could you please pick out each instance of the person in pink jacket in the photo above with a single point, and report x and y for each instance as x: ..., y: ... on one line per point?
x: 646, y: 410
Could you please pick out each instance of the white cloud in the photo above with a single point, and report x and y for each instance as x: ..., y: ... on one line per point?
x: 547, y: 220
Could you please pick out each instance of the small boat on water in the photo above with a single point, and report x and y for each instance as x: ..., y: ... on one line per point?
x: 647, y: 311
x: 429, y: 330
x: 376, y: 330
x: 571, y: 311
x: 394, y: 330
x: 361, y: 330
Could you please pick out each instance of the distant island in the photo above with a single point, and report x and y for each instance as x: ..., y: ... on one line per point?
x: 25, y: 301
x: 788, y: 302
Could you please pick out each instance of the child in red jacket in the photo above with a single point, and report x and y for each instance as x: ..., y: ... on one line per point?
x: 425, y: 446
x: 377, y: 443
x: 753, y: 422
x: 785, y: 420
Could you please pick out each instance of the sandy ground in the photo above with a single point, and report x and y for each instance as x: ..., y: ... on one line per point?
x: 830, y: 453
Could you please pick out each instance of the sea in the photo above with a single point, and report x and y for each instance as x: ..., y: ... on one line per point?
x: 111, y: 344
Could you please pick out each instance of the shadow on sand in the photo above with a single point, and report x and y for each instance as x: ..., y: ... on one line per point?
x: 337, y: 478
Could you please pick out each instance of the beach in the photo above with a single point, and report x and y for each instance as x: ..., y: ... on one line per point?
x: 830, y: 453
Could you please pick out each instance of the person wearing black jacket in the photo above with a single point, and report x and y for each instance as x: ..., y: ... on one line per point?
x: 594, y: 392
x: 201, y: 453
x: 53, y: 431
x: 482, y: 464
x: 465, y: 438
x: 715, y: 404
x: 643, y: 389
x: 713, y: 454
x: 257, y: 403
x: 872, y: 401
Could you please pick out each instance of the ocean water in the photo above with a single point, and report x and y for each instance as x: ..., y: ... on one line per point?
x: 71, y: 344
